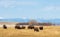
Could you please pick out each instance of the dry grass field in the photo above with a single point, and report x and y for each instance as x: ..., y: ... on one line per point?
x: 48, y: 31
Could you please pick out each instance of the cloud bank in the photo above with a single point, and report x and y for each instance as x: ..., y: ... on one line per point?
x: 12, y: 3
x: 51, y: 8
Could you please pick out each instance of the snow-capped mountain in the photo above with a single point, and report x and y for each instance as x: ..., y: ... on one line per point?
x: 57, y: 21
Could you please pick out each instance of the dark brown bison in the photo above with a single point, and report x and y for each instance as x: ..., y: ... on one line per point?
x: 4, y: 26
x: 18, y: 27
x: 41, y: 28
x: 36, y: 29
x: 23, y: 27
x: 31, y: 27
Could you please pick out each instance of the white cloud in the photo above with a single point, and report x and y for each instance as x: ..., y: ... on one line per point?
x: 48, y: 8
x: 23, y: 17
x: 1, y: 18
x: 26, y: 3
x: 7, y: 4
x: 51, y: 8
x: 11, y: 3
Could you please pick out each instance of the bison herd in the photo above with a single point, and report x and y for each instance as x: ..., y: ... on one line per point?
x: 18, y: 27
x: 36, y: 29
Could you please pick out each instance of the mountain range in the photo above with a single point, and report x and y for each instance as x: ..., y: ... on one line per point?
x: 56, y: 21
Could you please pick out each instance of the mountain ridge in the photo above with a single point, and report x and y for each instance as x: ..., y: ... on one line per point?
x: 57, y: 21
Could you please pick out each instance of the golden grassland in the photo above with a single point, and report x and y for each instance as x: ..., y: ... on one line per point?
x: 48, y: 31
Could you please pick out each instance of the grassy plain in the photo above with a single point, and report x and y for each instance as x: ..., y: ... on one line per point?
x: 48, y: 31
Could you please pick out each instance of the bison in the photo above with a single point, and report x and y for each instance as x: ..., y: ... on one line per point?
x: 30, y: 27
x: 4, y: 26
x: 18, y: 27
x: 36, y: 29
x: 41, y: 28
x: 23, y: 27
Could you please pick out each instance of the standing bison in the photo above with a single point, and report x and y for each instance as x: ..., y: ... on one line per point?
x: 36, y: 29
x: 41, y: 28
x: 4, y: 26
x: 30, y: 27
x: 19, y: 27
x: 23, y: 27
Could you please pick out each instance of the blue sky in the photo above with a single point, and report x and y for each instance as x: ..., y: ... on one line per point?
x: 46, y: 9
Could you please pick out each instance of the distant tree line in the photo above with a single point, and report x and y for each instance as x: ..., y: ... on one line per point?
x: 34, y: 22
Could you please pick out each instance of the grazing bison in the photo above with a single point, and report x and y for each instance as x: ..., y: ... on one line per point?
x: 23, y: 27
x: 30, y: 27
x: 36, y: 29
x: 4, y: 26
x: 41, y: 28
x: 17, y: 27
